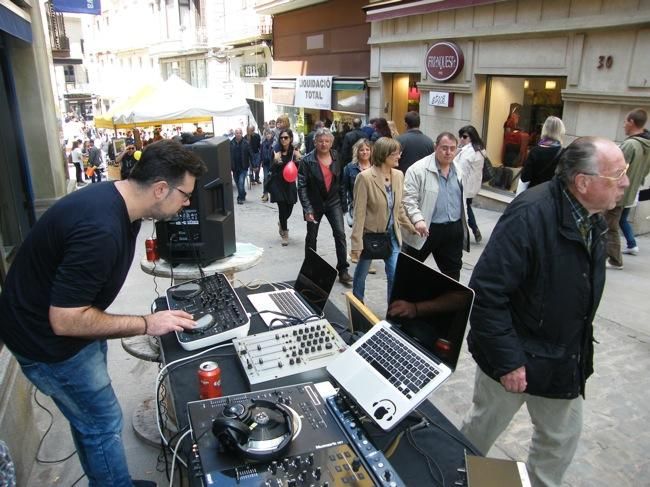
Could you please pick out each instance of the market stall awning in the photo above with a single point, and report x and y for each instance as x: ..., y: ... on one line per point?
x: 174, y: 101
x: 107, y: 120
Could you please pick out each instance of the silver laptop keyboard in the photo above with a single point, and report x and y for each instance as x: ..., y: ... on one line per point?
x: 289, y: 304
x: 400, y: 365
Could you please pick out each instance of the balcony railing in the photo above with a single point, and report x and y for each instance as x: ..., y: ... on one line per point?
x: 56, y: 26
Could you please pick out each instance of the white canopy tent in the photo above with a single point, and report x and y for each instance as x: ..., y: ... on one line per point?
x: 174, y: 101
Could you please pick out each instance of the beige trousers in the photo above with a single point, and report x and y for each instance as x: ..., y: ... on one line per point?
x: 557, y: 424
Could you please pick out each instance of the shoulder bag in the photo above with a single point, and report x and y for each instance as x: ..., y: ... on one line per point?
x: 376, y: 246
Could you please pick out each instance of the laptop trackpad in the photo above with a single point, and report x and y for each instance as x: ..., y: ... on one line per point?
x: 379, y: 399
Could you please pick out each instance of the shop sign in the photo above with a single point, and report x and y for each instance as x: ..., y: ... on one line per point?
x: 314, y: 92
x: 441, y: 99
x: 252, y: 71
x: 444, y: 60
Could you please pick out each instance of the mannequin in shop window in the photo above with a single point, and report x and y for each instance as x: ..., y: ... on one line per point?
x: 515, y: 140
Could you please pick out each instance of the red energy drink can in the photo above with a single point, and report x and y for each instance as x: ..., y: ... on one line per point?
x: 209, y: 380
x: 151, y: 247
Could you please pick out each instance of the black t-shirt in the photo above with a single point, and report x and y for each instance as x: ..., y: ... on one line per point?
x: 77, y: 254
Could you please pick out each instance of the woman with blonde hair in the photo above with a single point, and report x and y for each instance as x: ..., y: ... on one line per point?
x: 542, y: 159
x: 393, y: 129
x: 361, y: 152
x: 378, y: 209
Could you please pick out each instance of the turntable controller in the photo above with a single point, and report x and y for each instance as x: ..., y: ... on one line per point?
x: 297, y: 353
x: 216, y: 308
x: 320, y: 453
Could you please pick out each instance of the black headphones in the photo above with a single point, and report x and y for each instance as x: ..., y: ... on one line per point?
x: 233, y: 432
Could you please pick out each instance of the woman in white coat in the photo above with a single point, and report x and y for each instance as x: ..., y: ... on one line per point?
x: 470, y: 159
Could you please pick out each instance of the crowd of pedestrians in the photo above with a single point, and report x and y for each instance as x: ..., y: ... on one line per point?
x: 538, y: 282
x: 531, y: 338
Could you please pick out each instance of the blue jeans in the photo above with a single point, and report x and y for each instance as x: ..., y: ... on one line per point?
x: 361, y: 271
x: 240, y: 180
x: 81, y: 389
x: 626, y: 228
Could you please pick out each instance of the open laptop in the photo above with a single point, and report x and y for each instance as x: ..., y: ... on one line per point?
x: 308, y: 296
x: 396, y: 365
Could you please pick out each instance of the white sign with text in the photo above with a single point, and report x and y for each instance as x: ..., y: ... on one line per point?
x: 314, y: 92
x: 441, y: 99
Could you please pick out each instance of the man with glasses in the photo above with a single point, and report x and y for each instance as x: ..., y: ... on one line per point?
x: 538, y: 284
x: 636, y: 150
x: 434, y: 202
x: 66, y: 273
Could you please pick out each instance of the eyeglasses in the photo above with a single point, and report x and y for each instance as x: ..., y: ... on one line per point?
x: 187, y: 195
x: 285, y: 137
x: 464, y: 136
x: 618, y: 177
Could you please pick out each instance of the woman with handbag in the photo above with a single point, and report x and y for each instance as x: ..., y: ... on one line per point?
x: 470, y: 160
x: 282, y: 181
x: 378, y: 214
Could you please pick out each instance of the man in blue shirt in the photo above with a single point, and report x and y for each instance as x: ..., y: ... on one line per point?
x: 433, y: 200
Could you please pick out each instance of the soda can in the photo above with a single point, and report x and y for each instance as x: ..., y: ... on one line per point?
x: 151, y: 247
x: 209, y: 380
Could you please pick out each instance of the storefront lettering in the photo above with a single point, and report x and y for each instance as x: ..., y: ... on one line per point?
x: 313, y: 95
x: 441, y: 99
x: 314, y: 92
x: 444, y: 60
x: 315, y: 83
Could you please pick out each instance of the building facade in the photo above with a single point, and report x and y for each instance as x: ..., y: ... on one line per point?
x: 505, y: 63
x: 321, y: 61
x: 213, y: 44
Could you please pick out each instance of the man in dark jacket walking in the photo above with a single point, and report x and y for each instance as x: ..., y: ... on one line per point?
x: 350, y: 139
x: 415, y: 145
x: 95, y: 161
x: 538, y: 284
x: 321, y: 193
x: 240, y: 159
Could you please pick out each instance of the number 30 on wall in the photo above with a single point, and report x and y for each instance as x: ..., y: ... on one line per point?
x: 605, y: 62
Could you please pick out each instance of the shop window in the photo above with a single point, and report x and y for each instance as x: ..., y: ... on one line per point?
x: 517, y: 108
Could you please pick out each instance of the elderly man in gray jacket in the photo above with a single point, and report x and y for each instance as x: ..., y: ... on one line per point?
x: 434, y: 202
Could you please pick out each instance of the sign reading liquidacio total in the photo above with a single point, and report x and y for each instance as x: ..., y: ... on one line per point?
x: 314, y: 92
x: 444, y: 61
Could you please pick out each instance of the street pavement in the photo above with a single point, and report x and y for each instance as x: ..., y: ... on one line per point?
x: 614, y: 447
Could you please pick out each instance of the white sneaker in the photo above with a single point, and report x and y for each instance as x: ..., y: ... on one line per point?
x: 631, y: 250
x: 608, y: 265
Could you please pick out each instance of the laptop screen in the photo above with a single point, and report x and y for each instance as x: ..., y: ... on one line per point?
x: 444, y: 306
x: 315, y: 280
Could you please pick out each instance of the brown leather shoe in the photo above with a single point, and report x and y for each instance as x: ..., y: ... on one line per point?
x: 345, y: 277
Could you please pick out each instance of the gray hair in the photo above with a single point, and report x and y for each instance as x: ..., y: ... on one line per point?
x: 580, y: 157
x: 323, y: 132
x: 553, y: 128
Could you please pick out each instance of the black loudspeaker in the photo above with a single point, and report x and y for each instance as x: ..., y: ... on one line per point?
x: 204, y: 231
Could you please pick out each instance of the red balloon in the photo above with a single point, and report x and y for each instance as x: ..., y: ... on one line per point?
x: 290, y: 172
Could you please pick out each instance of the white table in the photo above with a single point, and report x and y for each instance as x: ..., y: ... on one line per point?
x: 246, y: 256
